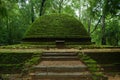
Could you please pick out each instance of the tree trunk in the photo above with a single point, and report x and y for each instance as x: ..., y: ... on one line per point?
x: 96, y: 24
x: 103, y: 39
x: 32, y: 12
x: 60, y: 6
x: 89, y: 24
x: 9, y: 33
x: 104, y: 13
x: 80, y: 10
x: 42, y: 7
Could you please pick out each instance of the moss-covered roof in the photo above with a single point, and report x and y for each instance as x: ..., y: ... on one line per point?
x: 56, y: 26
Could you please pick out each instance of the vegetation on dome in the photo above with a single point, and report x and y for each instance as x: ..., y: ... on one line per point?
x: 56, y: 26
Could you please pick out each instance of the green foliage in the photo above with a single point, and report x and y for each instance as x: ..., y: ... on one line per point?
x: 3, y: 10
x: 95, y: 9
x: 16, y: 16
x: 56, y: 26
x: 113, y: 31
x: 12, y: 23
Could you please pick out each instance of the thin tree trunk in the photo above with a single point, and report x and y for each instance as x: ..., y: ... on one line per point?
x: 103, y: 30
x: 116, y: 40
x: 79, y: 9
x: 97, y: 24
x: 89, y: 24
x: 60, y: 6
x: 42, y: 7
x: 104, y: 13
x: 32, y: 12
x: 9, y: 32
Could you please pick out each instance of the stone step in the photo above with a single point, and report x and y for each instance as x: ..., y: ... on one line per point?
x: 59, y: 58
x: 77, y: 68
x: 74, y: 78
x: 59, y: 54
x: 61, y: 76
x: 61, y: 63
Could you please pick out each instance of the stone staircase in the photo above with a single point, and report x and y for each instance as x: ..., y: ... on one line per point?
x: 60, y: 66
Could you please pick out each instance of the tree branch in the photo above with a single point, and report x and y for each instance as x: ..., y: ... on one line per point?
x: 96, y: 24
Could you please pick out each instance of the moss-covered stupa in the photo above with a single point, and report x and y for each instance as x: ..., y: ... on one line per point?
x: 57, y: 27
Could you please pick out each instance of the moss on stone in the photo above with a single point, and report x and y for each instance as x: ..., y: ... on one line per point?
x: 56, y: 26
x: 15, y: 62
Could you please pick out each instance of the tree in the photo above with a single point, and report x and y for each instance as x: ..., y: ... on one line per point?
x: 96, y: 15
x: 101, y: 9
x: 3, y: 11
x: 113, y: 31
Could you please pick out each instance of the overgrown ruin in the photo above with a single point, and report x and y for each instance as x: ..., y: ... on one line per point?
x: 58, y: 47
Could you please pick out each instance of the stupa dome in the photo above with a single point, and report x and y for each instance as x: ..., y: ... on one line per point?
x: 56, y: 27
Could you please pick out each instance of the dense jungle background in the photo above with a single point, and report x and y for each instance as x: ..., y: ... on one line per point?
x: 101, y: 18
